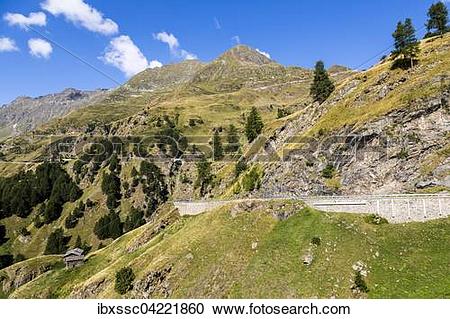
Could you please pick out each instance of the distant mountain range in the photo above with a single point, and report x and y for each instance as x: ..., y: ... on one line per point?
x: 26, y: 113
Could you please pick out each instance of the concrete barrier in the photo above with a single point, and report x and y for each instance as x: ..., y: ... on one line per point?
x: 395, y: 208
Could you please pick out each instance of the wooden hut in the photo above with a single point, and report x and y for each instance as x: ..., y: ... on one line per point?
x: 74, y: 258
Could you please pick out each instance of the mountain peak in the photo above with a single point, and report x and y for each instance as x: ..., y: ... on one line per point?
x: 245, y: 54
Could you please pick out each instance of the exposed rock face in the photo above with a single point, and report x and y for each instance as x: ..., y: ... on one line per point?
x: 386, y: 155
x: 155, y: 283
x: 18, y: 275
x: 25, y: 113
x: 91, y: 290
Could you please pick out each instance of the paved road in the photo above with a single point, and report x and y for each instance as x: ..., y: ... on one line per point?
x: 395, y: 208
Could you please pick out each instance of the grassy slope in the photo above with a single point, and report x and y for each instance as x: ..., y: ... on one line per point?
x: 360, y: 106
x: 211, y: 256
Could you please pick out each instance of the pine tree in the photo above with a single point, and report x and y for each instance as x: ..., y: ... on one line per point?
x: 115, y: 226
x: 322, y: 86
x: 217, y: 146
x: 437, y: 18
x: 254, y: 125
x: 124, y: 280
x: 2, y: 234
x: 56, y: 243
x: 109, y: 226
x: 134, y: 220
x: 232, y: 139
x: 406, y: 43
x: 204, y: 175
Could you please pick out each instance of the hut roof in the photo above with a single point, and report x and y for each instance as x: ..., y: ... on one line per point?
x: 75, y: 252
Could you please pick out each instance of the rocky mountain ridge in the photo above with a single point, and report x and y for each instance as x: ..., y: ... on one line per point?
x: 25, y: 113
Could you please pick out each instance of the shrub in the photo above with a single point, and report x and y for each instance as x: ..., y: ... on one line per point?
x: 240, y: 167
x: 315, y: 241
x: 328, y: 171
x: 282, y: 113
x: 359, y: 283
x: 124, y: 280
x: 252, y: 180
x: 24, y: 232
x: 403, y: 154
x: 89, y: 203
x: 38, y: 222
x: 375, y: 219
x: 78, y: 166
x: 192, y: 122
x: 185, y: 179
x: 19, y: 258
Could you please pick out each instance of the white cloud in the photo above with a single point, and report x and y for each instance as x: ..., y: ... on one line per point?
x: 236, y: 39
x: 188, y: 55
x: 82, y: 14
x: 8, y: 45
x: 217, y: 24
x: 155, y: 64
x: 267, y: 55
x: 34, y: 18
x: 123, y: 54
x: 169, y: 39
x: 40, y: 48
x: 174, y: 46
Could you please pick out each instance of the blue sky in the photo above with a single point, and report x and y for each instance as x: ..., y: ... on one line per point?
x: 121, y: 37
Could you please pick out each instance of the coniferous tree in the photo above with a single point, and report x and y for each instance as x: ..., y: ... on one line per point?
x: 437, y: 19
x: 109, y: 226
x: 124, y: 280
x: 2, y: 234
x: 405, y: 41
x: 134, y: 220
x: 254, y: 125
x: 240, y: 167
x: 115, y: 226
x: 232, y: 139
x: 114, y: 164
x: 154, y: 186
x: 111, y: 188
x: 6, y: 260
x: 217, y: 146
x: 322, y: 86
x: 56, y: 243
x: 204, y: 175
